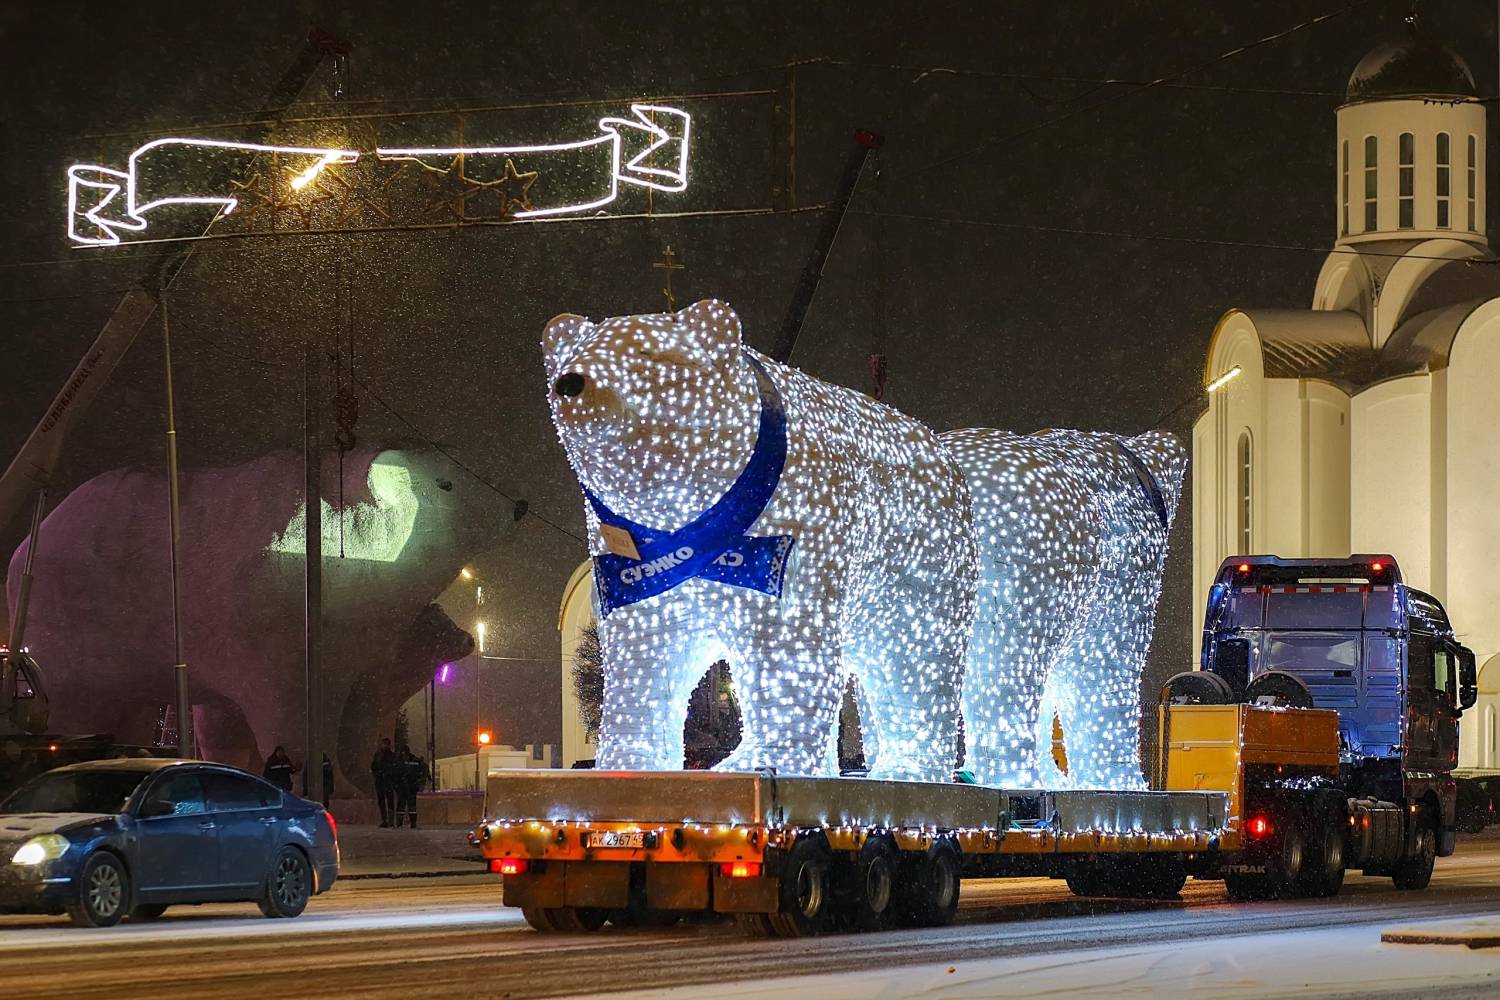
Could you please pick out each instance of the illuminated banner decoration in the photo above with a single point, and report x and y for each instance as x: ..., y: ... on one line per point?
x: 108, y: 206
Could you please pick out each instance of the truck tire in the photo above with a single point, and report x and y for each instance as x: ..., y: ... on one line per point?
x: 868, y: 899
x: 1197, y: 687
x: 1245, y: 888
x: 1323, y: 873
x: 565, y: 919
x: 1414, y: 871
x: 1285, y: 865
x: 540, y: 919
x: 1279, y: 688
x: 806, y: 902
x: 927, y: 888
x: 1085, y: 883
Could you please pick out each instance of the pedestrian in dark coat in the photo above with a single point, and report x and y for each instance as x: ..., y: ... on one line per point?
x: 279, y: 769
x: 413, y: 775
x: 384, y: 769
x: 327, y: 780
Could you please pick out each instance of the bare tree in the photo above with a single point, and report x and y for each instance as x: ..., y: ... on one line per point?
x: 588, y: 679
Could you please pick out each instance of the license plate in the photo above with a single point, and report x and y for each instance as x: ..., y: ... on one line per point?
x: 616, y: 838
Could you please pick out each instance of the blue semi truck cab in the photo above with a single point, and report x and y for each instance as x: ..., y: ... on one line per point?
x: 1348, y: 634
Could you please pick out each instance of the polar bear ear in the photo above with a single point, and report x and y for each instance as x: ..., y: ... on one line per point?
x: 713, y: 326
x: 562, y: 331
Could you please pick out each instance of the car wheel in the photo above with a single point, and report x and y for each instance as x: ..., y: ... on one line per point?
x: 147, y: 912
x: 103, y: 892
x: 288, y: 886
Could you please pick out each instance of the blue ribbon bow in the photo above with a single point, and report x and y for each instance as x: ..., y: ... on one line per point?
x: 714, y: 545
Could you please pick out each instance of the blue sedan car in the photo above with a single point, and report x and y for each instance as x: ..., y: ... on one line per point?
x: 107, y: 839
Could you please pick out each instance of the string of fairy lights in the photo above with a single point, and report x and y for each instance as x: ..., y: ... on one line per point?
x: 1059, y: 540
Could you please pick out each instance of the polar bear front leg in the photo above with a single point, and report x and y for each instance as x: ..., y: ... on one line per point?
x: 787, y: 680
x: 653, y: 657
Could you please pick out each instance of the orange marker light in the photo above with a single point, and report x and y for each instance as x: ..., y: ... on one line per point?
x: 484, y: 737
x: 1377, y: 567
x: 1244, y: 567
x: 740, y: 869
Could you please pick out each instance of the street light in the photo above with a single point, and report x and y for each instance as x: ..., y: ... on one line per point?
x: 481, y: 740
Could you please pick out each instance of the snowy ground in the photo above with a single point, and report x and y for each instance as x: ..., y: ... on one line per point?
x: 1332, y: 962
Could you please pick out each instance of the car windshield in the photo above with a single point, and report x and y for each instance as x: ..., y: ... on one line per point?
x: 75, y: 792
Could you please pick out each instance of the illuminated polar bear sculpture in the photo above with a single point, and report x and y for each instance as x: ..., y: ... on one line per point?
x: 745, y: 510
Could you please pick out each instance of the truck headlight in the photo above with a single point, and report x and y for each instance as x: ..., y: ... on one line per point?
x: 47, y: 847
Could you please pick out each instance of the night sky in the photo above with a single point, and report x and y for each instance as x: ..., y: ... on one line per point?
x: 1001, y: 319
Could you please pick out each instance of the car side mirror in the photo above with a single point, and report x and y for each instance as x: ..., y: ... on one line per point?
x: 155, y: 807
x: 1468, y: 679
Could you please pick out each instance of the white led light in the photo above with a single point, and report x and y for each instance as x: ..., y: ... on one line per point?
x: 95, y: 192
x: 1058, y: 539
x: 47, y: 847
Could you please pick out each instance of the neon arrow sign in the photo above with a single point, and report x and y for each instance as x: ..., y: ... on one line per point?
x: 107, y: 207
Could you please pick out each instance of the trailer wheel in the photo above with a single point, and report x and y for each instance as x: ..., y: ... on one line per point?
x: 1243, y: 888
x: 754, y: 925
x: 1324, y: 876
x: 539, y: 918
x: 1085, y: 883
x: 927, y: 888
x: 573, y: 919
x: 1284, y: 866
x: 1415, y: 870
x: 805, y: 902
x: 868, y: 899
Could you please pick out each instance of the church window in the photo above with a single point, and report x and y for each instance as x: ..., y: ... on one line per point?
x: 1371, y: 217
x: 1344, y: 195
x: 1406, y: 202
x: 1473, y: 176
x: 1244, y: 508
x: 1444, y: 171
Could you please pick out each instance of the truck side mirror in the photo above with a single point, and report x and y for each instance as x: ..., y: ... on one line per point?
x: 1468, y: 679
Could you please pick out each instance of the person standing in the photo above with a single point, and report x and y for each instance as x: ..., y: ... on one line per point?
x: 327, y: 780
x: 413, y: 774
x: 383, y: 766
x: 279, y: 769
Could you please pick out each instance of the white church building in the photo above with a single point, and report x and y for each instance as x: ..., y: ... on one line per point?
x: 1370, y: 422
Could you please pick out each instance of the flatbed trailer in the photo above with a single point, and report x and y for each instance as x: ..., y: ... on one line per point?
x: 1243, y: 793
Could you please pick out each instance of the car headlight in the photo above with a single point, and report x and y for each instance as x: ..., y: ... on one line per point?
x: 47, y: 847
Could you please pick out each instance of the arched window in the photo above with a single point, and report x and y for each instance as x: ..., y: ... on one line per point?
x: 1245, y: 508
x: 1371, y: 215
x: 1344, y: 193
x: 1406, y: 195
x: 1473, y: 177
x: 1444, y: 172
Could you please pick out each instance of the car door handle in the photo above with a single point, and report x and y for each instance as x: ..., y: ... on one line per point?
x: 206, y: 826
x: 268, y: 820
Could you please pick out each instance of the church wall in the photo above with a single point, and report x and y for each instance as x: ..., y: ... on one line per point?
x: 1284, y: 523
x: 1325, y: 450
x: 1390, y: 499
x: 1473, y: 536
x: 1234, y: 410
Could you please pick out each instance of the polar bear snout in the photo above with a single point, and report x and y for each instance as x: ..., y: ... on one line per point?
x: 569, y: 384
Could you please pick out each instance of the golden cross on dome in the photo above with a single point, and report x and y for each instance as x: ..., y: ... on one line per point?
x: 667, y: 264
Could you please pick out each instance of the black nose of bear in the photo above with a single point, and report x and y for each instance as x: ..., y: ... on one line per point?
x: 570, y: 384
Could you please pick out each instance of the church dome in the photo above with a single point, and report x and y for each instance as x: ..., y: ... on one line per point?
x: 1412, y: 66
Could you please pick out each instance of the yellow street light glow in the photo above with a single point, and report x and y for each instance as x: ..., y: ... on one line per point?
x: 466, y: 573
x: 484, y: 738
x: 1223, y: 380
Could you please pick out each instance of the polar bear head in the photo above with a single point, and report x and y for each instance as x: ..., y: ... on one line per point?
x: 657, y: 413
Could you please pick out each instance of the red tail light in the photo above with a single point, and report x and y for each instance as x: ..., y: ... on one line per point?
x: 1260, y: 826
x: 740, y: 869
x: 1377, y: 567
x: 333, y: 826
x: 1244, y: 567
x: 508, y: 866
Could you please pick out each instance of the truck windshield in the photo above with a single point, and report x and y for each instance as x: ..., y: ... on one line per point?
x: 75, y: 792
